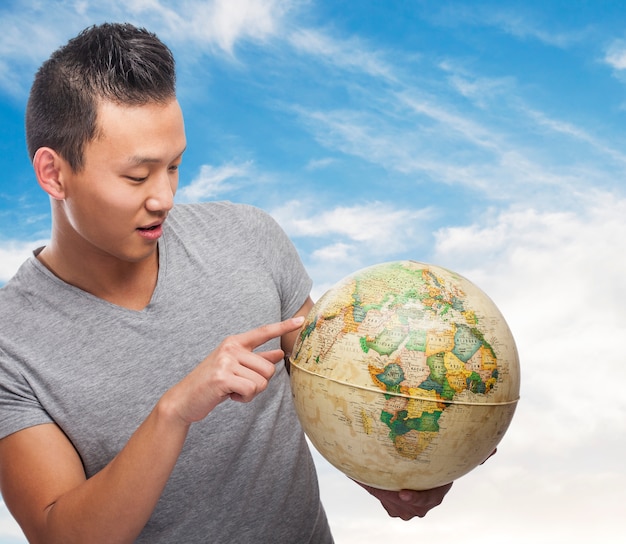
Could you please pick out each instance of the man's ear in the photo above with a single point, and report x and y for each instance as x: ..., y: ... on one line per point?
x: 48, y: 165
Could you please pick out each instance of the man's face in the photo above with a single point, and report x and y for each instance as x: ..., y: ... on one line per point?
x: 116, y: 204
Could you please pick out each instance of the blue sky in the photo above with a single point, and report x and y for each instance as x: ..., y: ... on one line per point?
x: 487, y: 137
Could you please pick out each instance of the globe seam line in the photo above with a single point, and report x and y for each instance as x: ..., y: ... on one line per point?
x: 395, y: 394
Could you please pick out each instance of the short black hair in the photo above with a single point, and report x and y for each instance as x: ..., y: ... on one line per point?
x: 113, y: 61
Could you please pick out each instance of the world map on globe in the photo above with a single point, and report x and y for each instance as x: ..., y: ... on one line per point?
x: 405, y: 375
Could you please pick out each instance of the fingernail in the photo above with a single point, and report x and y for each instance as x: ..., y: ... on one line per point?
x: 298, y: 320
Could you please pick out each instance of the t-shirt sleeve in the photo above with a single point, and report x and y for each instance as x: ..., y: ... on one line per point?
x: 282, y: 258
x: 19, y: 407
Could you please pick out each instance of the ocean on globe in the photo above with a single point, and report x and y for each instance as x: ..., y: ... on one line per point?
x: 405, y: 375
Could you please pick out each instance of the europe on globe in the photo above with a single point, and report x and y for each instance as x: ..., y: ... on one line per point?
x: 405, y: 375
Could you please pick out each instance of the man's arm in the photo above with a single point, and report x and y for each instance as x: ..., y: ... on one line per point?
x: 42, y: 479
x: 44, y: 485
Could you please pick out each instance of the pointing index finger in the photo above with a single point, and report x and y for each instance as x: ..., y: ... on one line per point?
x: 257, y: 337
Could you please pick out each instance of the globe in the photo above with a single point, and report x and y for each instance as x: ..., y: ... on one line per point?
x: 405, y: 375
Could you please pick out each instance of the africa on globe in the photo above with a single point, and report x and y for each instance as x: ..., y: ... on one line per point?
x: 405, y: 375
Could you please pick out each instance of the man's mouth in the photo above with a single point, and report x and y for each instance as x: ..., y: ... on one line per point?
x: 151, y: 232
x: 152, y: 226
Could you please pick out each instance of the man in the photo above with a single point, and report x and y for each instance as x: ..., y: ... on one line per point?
x: 133, y: 405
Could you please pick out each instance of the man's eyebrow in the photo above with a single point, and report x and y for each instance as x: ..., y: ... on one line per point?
x: 138, y: 160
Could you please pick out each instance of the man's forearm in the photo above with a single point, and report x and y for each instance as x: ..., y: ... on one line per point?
x: 114, y: 505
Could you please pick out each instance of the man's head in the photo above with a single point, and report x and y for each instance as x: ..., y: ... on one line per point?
x: 111, y: 62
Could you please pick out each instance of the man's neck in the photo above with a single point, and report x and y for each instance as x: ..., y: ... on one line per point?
x: 126, y: 284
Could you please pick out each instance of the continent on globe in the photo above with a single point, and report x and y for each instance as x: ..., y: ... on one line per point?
x: 405, y: 376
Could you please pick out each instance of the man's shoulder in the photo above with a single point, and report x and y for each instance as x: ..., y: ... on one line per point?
x: 18, y: 284
x: 19, y: 298
x: 219, y: 215
x: 217, y: 209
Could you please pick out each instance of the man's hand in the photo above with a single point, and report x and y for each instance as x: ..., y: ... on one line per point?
x: 233, y: 370
x: 407, y: 504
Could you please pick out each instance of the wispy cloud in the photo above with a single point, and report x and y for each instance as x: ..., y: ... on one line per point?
x: 25, y: 40
x: 577, y: 133
x: 558, y: 278
x: 517, y: 22
x: 525, y: 27
x: 436, y: 145
x: 616, y: 55
x: 216, y: 24
x: 424, y: 129
x: 30, y: 31
x: 213, y: 181
x: 335, y: 240
x: 319, y: 164
x: 379, y: 226
x: 351, y: 54
x: 480, y: 90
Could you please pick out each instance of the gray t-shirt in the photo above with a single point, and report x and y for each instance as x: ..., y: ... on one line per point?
x: 97, y: 370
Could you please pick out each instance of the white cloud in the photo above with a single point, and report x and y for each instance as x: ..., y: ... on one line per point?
x: 213, y: 181
x: 379, y: 226
x: 29, y: 32
x: 559, y: 280
x: 470, y: 131
x: 217, y: 24
x: 13, y: 253
x: 339, y: 251
x: 501, y: 501
x: 348, y: 54
x: 337, y: 241
x: 24, y: 43
x: 319, y: 164
x: 423, y: 148
x: 415, y: 126
x: 582, y: 247
x: 523, y: 27
x: 481, y: 90
x: 521, y: 24
x: 557, y: 126
x: 25, y: 38
x: 10, y: 85
x: 616, y: 55
x: 231, y: 20
x: 407, y: 131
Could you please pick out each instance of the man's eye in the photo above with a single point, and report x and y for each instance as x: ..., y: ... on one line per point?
x: 138, y: 180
